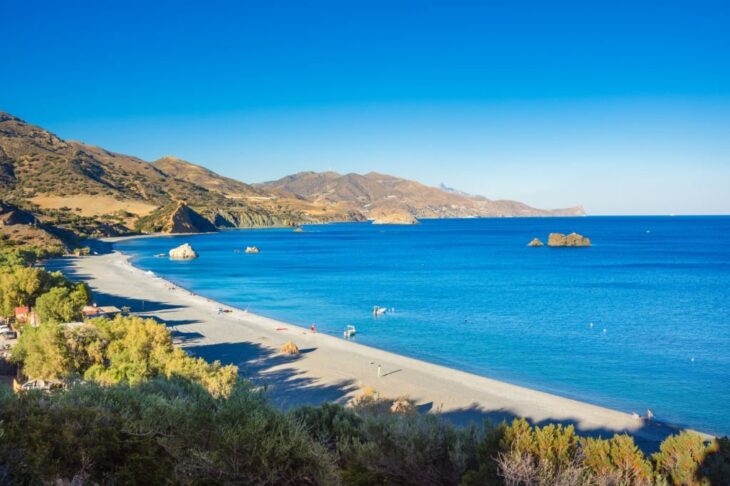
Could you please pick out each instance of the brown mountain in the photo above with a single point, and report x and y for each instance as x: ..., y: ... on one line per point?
x: 206, y: 178
x: 92, y: 191
x: 382, y: 196
x: 72, y: 182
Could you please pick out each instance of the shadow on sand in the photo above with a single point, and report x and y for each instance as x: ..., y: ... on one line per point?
x: 285, y: 385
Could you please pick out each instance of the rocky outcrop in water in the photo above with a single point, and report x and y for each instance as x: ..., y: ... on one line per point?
x: 571, y: 240
x: 183, y: 252
x: 252, y: 249
x: 536, y: 242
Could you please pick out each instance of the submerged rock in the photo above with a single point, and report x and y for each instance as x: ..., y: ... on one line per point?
x: 183, y: 252
x: 252, y: 249
x: 536, y: 242
x: 571, y: 240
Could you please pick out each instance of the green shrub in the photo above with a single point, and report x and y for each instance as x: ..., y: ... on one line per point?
x: 110, y: 351
x: 679, y: 459
x: 616, y: 461
x: 162, y: 432
x: 61, y: 304
x: 548, y: 455
x: 409, y: 449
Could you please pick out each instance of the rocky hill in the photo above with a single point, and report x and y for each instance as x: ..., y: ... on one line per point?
x: 376, y: 194
x: 206, y: 178
x: 72, y: 181
x: 91, y: 191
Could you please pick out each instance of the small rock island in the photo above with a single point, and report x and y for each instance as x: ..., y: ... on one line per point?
x: 252, y: 249
x: 536, y: 242
x: 571, y: 240
x: 183, y: 252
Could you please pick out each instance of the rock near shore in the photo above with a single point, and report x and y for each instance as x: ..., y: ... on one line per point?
x: 571, y: 240
x: 536, y: 242
x: 183, y: 252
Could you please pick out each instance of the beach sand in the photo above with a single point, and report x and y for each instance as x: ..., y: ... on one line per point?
x: 331, y: 368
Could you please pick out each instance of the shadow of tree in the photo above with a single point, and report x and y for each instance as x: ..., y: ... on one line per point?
x: 286, y: 386
x: 648, y: 436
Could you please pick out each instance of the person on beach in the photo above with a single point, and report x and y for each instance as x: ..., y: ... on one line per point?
x: 313, y: 328
x: 380, y: 371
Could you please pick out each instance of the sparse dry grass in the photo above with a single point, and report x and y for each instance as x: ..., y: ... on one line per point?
x: 87, y: 205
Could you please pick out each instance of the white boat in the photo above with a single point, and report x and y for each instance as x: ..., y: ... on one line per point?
x: 379, y: 311
x: 349, y: 332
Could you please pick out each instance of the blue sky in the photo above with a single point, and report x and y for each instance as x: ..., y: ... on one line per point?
x: 621, y: 106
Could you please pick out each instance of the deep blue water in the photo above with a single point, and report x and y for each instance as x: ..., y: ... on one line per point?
x: 471, y: 295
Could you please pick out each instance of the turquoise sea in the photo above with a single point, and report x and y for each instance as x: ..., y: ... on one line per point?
x: 639, y: 320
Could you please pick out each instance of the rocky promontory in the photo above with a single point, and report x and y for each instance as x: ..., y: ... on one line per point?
x: 536, y: 242
x: 183, y: 252
x: 571, y: 240
x: 392, y: 216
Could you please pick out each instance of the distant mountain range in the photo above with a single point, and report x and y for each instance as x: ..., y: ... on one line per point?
x: 79, y: 185
x: 382, y: 197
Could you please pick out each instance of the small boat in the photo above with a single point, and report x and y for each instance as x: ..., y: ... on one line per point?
x: 350, y: 331
x: 161, y: 255
x: 379, y: 311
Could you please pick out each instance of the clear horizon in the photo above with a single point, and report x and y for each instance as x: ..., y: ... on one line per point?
x: 624, y: 109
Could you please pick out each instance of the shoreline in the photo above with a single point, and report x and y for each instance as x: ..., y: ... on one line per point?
x: 331, y: 368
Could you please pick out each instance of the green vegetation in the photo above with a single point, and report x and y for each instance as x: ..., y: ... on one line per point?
x: 14, y: 253
x: 109, y: 351
x: 160, y: 432
x: 172, y: 431
x: 141, y: 411
x: 23, y: 286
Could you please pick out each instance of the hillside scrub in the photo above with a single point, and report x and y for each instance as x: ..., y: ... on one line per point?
x: 110, y: 351
x: 160, y: 432
x: 173, y: 431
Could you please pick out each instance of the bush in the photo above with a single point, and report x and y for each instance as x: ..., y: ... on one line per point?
x: 546, y: 455
x: 61, y: 304
x: 409, y: 449
x: 161, y: 432
x: 42, y: 352
x: 679, y: 459
x: 616, y: 461
x: 110, y: 351
x: 290, y: 348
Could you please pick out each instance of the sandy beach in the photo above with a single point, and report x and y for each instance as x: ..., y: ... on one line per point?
x: 331, y: 368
